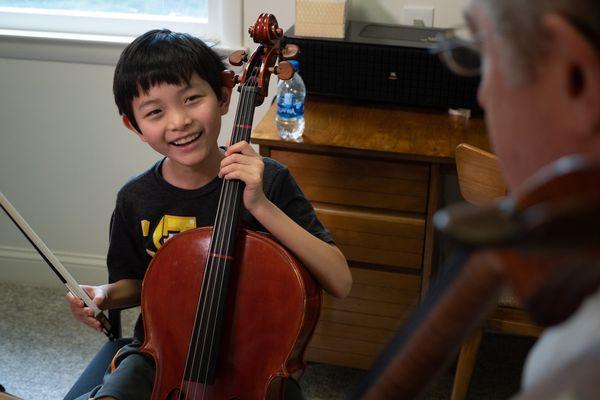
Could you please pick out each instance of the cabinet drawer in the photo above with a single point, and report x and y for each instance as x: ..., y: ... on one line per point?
x: 374, y: 237
x: 354, y: 331
x: 351, y: 181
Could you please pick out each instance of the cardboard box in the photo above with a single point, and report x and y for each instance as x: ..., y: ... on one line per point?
x: 321, y: 18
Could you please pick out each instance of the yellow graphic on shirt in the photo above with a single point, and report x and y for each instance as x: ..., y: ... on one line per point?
x: 169, y: 226
x: 145, y: 227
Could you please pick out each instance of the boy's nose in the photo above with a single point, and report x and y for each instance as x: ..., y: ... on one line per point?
x: 179, y: 120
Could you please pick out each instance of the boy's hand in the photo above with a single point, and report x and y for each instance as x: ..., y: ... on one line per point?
x: 85, y: 314
x: 243, y: 163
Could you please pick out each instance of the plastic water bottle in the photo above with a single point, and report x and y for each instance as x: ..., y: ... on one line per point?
x: 290, y: 106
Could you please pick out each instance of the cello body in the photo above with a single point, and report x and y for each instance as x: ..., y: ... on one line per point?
x: 273, y: 306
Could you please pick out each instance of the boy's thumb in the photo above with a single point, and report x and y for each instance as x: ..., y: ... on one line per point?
x: 99, y: 299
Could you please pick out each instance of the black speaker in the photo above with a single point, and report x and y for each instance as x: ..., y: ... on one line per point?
x: 382, y: 63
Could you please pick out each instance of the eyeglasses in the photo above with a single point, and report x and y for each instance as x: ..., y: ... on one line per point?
x: 460, y: 51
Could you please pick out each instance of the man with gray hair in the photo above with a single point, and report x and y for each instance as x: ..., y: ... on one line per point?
x: 540, y: 84
x: 539, y: 62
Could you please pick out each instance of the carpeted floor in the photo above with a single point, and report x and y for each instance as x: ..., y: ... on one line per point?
x: 43, y: 351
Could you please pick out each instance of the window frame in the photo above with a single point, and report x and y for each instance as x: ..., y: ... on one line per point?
x: 21, y: 41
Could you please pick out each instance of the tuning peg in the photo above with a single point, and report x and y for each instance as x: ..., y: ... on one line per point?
x: 284, y: 70
x: 290, y: 51
x: 238, y: 57
x: 230, y: 79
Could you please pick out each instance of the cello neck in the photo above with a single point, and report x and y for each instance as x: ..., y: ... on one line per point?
x: 213, y: 297
x: 210, y: 313
x: 227, y: 219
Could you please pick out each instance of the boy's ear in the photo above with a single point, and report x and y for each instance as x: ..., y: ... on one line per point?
x: 129, y: 126
x: 225, y: 99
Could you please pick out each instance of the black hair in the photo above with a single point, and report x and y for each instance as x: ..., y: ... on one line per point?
x: 161, y: 56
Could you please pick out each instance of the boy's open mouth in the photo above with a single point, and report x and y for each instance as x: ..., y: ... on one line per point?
x: 187, y: 140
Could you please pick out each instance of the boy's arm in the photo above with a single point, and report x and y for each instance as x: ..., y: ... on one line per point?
x: 324, y: 261
x: 123, y: 293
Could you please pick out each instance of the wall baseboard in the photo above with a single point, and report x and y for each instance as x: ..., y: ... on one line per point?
x: 24, y: 266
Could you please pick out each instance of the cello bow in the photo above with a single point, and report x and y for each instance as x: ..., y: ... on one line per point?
x: 55, y: 265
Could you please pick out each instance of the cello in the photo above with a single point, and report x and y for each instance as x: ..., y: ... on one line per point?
x: 543, y: 241
x: 228, y: 312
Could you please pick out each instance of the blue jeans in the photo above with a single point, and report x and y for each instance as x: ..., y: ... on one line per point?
x: 131, y: 377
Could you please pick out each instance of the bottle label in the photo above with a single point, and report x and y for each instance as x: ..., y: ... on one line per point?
x: 288, y: 108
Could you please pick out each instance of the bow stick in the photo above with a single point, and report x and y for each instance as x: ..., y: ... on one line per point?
x: 55, y: 264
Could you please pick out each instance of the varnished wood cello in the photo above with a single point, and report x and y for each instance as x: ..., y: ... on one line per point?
x: 543, y: 241
x: 228, y: 312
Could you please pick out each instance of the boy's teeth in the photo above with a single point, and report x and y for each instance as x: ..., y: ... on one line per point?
x: 186, y: 139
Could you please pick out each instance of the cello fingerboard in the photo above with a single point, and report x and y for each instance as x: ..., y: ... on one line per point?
x: 203, y: 351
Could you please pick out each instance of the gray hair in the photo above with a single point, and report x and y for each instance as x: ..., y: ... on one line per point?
x: 519, y: 22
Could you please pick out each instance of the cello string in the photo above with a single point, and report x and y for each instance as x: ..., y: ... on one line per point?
x: 233, y: 200
x: 205, y: 288
x: 220, y: 263
x: 204, y: 294
x: 214, y: 267
x: 222, y: 248
x: 247, y: 111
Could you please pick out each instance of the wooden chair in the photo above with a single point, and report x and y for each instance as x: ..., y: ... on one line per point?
x: 480, y: 180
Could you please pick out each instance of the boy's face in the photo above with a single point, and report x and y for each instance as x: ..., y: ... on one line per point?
x: 181, y: 122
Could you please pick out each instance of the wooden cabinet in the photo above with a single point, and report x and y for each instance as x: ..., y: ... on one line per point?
x: 372, y: 174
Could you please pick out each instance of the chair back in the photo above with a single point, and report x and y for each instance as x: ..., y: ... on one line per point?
x: 480, y: 181
x: 479, y: 176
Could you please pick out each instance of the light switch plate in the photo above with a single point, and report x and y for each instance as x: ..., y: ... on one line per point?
x: 418, y: 15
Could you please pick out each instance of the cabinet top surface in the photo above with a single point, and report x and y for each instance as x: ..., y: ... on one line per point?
x: 344, y: 126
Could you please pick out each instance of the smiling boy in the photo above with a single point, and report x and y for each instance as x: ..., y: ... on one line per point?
x: 169, y: 90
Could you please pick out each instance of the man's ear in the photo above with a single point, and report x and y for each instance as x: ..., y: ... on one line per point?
x: 581, y: 69
x: 225, y: 99
x: 129, y: 126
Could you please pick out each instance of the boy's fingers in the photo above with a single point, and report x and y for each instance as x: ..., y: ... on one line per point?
x: 93, y: 323
x: 231, y: 148
x: 249, y: 172
x: 230, y: 159
x: 239, y: 159
x: 98, y: 300
x: 242, y: 158
x: 245, y: 176
x: 248, y: 150
x: 240, y: 147
x: 232, y: 175
x: 74, y: 302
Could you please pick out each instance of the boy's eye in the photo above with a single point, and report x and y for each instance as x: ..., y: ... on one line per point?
x: 153, y: 113
x: 192, y: 98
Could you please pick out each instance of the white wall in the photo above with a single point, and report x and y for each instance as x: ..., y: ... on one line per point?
x: 64, y: 152
x: 447, y: 13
